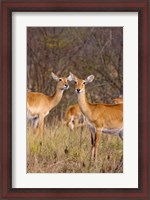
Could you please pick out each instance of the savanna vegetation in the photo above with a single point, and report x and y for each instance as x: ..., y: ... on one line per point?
x: 83, y: 51
x: 64, y: 151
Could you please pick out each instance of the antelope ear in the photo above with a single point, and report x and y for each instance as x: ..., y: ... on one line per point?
x: 55, y: 77
x: 69, y: 78
x: 72, y: 77
x: 89, y: 79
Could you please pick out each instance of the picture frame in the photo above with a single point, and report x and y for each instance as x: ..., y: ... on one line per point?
x: 7, y: 8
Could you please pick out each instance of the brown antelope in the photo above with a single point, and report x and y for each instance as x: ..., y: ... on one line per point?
x: 104, y: 118
x: 118, y: 100
x: 74, y: 117
x: 39, y: 105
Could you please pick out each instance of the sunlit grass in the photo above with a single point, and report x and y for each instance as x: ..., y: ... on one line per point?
x: 64, y: 151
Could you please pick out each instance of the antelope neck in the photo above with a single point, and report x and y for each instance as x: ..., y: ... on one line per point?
x: 83, y: 103
x: 55, y: 98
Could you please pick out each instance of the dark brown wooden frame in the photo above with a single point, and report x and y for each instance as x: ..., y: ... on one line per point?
x: 9, y: 6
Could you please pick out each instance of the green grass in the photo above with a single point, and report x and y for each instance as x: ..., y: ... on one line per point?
x: 64, y: 151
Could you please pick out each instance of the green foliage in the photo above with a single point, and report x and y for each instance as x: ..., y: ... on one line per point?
x: 52, y: 42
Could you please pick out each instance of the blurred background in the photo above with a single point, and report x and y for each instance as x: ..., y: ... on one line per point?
x: 80, y: 50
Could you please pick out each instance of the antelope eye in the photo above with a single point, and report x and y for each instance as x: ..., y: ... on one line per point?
x: 75, y: 82
x: 84, y: 82
x: 60, y: 79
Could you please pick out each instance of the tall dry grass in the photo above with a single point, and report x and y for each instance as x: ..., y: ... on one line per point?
x: 64, y: 151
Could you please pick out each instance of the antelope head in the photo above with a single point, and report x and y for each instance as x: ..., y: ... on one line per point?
x: 80, y: 84
x: 62, y: 82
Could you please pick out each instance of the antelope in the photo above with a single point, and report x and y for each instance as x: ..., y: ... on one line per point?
x: 33, y: 119
x: 102, y: 118
x: 118, y: 100
x: 74, y: 117
x: 39, y: 105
